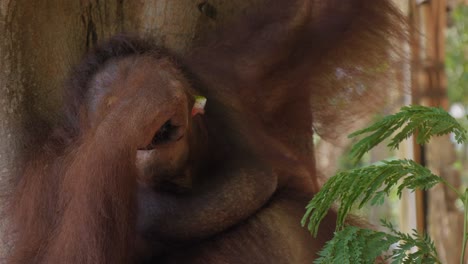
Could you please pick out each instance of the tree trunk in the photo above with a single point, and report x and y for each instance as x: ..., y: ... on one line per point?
x: 43, y: 39
x: 11, y: 106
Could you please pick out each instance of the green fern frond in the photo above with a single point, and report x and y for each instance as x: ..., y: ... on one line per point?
x: 362, y: 185
x: 415, y: 248
x: 371, y: 184
x: 427, y: 121
x: 354, y: 245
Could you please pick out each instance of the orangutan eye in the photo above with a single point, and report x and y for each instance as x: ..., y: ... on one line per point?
x: 167, y: 133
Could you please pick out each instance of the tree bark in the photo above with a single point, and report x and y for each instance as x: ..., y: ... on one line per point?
x: 11, y: 109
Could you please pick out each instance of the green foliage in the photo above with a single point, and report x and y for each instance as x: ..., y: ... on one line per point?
x: 355, y: 245
x: 359, y: 245
x: 425, y: 251
x: 427, y: 121
x: 456, y: 59
x: 361, y: 185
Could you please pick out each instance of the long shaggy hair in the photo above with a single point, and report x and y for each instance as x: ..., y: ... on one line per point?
x: 271, y: 76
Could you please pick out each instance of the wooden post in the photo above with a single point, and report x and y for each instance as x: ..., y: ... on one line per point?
x: 429, y: 87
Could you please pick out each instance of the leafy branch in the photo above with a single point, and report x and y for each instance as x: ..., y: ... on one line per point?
x: 359, y: 245
x: 405, y: 251
x: 427, y: 121
x: 356, y: 245
x: 371, y: 184
x: 359, y: 186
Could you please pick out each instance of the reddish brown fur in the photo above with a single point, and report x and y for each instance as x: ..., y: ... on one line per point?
x: 267, y: 78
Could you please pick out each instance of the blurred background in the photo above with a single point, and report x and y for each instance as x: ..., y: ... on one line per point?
x: 437, y: 76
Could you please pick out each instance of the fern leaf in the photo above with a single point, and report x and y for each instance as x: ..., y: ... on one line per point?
x: 427, y: 121
x: 415, y: 248
x: 362, y: 185
x: 363, y: 246
x: 355, y: 245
